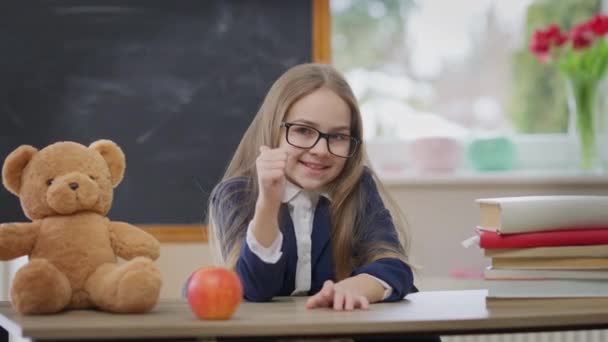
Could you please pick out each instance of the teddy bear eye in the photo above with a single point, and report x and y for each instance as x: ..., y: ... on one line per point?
x: 92, y: 177
x: 49, y: 181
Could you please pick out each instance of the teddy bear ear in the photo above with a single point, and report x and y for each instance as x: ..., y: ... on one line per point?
x: 13, y: 167
x: 113, y: 156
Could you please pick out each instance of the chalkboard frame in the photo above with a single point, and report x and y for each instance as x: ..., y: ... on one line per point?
x: 321, y: 53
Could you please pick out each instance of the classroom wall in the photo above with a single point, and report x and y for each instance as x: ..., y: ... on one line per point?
x: 441, y: 215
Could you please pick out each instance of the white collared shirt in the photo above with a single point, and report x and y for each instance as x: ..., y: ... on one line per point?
x: 302, y: 205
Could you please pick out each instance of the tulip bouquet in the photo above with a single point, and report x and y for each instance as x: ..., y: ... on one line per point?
x: 581, y: 54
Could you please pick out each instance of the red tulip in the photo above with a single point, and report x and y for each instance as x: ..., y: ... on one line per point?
x: 599, y: 24
x: 582, y: 36
x: 543, y: 40
x: 555, y: 35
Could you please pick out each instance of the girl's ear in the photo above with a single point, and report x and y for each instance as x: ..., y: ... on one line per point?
x: 13, y: 167
x: 113, y: 156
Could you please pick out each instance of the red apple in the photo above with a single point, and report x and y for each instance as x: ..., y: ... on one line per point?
x: 214, y: 293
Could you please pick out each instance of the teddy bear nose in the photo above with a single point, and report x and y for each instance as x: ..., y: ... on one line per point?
x: 73, y: 185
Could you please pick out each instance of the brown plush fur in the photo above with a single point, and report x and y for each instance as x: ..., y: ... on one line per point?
x: 66, y: 190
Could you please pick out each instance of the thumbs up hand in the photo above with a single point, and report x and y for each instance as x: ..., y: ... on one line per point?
x: 270, y: 166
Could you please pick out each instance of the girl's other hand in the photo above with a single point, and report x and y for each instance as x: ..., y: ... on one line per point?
x: 270, y: 166
x: 340, y: 297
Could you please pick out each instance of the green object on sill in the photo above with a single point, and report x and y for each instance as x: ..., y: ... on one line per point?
x: 491, y: 154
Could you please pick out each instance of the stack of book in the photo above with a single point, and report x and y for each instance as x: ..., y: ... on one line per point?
x: 545, y: 246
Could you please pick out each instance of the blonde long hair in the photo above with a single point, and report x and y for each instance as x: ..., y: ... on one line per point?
x: 347, y: 199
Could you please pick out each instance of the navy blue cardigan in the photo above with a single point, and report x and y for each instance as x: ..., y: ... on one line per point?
x: 262, y: 281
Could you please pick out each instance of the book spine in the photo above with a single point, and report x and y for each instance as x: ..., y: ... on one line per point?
x: 551, y: 263
x: 493, y: 273
x: 527, y: 214
x: 591, y: 251
x: 489, y: 239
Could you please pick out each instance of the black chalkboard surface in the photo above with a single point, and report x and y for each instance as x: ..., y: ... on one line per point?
x: 174, y: 83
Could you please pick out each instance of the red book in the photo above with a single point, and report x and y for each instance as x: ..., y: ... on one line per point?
x: 576, y: 237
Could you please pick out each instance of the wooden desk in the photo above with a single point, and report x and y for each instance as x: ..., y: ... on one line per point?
x: 440, y: 312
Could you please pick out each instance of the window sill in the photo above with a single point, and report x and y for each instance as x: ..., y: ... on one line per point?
x: 514, y: 177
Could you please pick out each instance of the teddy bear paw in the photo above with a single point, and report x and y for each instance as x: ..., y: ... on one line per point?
x: 139, y: 287
x: 40, y: 288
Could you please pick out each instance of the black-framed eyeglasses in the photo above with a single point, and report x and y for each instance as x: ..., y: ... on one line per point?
x: 302, y: 136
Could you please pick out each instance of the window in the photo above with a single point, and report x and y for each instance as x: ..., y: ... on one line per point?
x: 458, y: 69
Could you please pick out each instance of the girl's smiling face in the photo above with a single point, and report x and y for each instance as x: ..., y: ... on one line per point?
x: 312, y: 169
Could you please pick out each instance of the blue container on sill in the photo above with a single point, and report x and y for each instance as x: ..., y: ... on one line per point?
x: 491, y: 154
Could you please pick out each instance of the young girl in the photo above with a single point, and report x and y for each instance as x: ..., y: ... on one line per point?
x: 299, y: 212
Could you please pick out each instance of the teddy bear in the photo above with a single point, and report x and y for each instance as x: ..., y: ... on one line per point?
x: 66, y: 190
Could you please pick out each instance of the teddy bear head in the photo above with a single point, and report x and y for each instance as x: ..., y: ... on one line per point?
x: 64, y: 178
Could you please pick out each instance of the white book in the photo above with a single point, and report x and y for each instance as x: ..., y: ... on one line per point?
x: 508, y: 215
x: 492, y: 273
x: 590, y: 251
x: 547, y: 288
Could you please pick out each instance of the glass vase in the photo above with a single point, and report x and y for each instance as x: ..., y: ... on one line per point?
x: 587, y: 121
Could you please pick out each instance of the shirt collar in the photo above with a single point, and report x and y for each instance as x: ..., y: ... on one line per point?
x: 291, y: 191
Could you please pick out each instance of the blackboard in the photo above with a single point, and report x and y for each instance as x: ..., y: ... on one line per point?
x: 174, y: 83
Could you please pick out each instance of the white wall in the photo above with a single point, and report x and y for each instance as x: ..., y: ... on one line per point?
x: 177, y: 262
